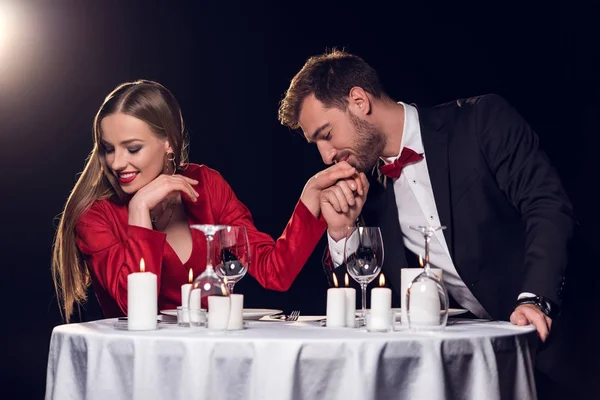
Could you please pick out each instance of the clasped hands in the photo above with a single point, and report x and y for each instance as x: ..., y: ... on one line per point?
x: 338, y: 194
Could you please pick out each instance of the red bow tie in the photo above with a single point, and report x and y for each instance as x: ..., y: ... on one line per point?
x: 393, y: 170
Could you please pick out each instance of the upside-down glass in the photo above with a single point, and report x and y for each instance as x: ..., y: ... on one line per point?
x: 363, y: 256
x: 208, y: 290
x: 233, y: 251
x: 426, y: 296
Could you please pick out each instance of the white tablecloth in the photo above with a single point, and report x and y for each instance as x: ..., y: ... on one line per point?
x: 277, y: 360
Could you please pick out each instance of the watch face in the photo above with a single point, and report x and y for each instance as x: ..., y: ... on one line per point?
x: 540, y: 302
x: 544, y: 305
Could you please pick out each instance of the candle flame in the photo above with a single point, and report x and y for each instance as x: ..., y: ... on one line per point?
x: 191, y: 275
x: 346, y: 281
x: 381, y: 280
x: 142, y: 265
x: 421, y: 261
x: 335, y: 282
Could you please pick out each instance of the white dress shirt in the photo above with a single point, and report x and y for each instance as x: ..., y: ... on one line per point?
x: 416, y: 207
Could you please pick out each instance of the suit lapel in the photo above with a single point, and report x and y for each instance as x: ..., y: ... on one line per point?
x: 435, y: 142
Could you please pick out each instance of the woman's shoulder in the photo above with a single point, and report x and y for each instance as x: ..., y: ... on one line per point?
x: 202, y: 172
x: 99, y: 210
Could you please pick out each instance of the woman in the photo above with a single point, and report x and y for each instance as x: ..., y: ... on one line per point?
x: 137, y: 197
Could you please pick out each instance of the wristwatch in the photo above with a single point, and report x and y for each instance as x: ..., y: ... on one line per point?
x: 547, y: 306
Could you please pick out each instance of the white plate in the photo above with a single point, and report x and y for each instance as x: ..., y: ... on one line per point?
x: 301, y: 318
x: 258, y: 313
x: 248, y: 313
x: 451, y: 312
x: 172, y: 313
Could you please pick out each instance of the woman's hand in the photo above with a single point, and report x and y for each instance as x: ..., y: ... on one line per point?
x: 341, y: 204
x: 342, y: 171
x: 154, y: 193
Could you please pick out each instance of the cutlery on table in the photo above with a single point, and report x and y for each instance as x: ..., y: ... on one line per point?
x: 293, y: 316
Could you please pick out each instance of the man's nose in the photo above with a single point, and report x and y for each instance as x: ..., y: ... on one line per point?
x: 327, y: 152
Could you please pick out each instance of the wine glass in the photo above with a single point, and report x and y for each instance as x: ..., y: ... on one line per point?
x: 426, y: 296
x: 363, y: 255
x: 233, y: 252
x: 208, y: 290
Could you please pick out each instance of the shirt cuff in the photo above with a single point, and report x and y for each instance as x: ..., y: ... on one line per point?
x: 525, y: 295
x: 336, y: 249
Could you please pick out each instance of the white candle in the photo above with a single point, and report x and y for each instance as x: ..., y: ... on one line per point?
x: 236, y: 319
x: 350, y: 304
x: 336, y: 306
x: 185, y: 296
x: 142, y: 300
x: 194, y: 306
x: 218, y: 312
x: 407, y: 275
x: 381, y: 306
x: 424, y: 303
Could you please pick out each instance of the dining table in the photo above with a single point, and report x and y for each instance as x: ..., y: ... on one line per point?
x: 276, y: 359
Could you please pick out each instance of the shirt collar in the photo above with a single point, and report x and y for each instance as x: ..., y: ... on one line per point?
x: 411, y: 134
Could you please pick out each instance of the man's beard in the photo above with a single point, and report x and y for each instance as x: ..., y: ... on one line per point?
x: 368, y: 144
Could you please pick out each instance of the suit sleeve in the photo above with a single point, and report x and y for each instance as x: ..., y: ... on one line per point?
x: 526, y: 176
x: 274, y: 263
x: 112, y: 256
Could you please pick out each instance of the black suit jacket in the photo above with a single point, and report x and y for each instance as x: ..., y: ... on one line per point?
x: 508, y: 217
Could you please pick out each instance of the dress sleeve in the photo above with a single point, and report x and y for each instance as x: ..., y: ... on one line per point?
x: 274, y: 263
x: 113, y: 250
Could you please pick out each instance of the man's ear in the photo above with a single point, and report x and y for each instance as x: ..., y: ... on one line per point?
x: 359, y: 101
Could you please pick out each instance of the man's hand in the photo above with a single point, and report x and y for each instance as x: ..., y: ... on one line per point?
x: 338, y: 173
x: 526, y: 314
x: 341, y: 205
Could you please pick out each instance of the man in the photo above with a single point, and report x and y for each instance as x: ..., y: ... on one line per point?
x: 473, y: 165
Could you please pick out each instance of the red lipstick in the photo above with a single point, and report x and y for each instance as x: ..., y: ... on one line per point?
x: 127, y: 177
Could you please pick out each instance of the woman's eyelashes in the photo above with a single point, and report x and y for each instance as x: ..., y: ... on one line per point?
x: 109, y: 150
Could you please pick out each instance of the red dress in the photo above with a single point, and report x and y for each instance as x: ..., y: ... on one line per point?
x: 112, y: 248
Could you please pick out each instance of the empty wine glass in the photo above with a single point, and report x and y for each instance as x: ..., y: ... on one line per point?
x: 233, y: 251
x: 426, y: 296
x: 363, y: 255
x: 208, y: 290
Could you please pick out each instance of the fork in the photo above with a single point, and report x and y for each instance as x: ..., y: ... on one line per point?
x: 293, y: 316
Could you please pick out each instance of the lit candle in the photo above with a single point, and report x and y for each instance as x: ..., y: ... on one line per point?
x: 185, y: 296
x: 142, y: 299
x: 196, y: 317
x: 381, y: 306
x: 336, y: 306
x: 218, y: 311
x: 350, y: 303
x: 236, y: 314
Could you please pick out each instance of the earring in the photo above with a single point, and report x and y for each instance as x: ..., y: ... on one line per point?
x: 171, y: 159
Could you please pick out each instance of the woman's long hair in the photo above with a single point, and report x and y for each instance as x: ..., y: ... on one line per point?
x: 145, y: 100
